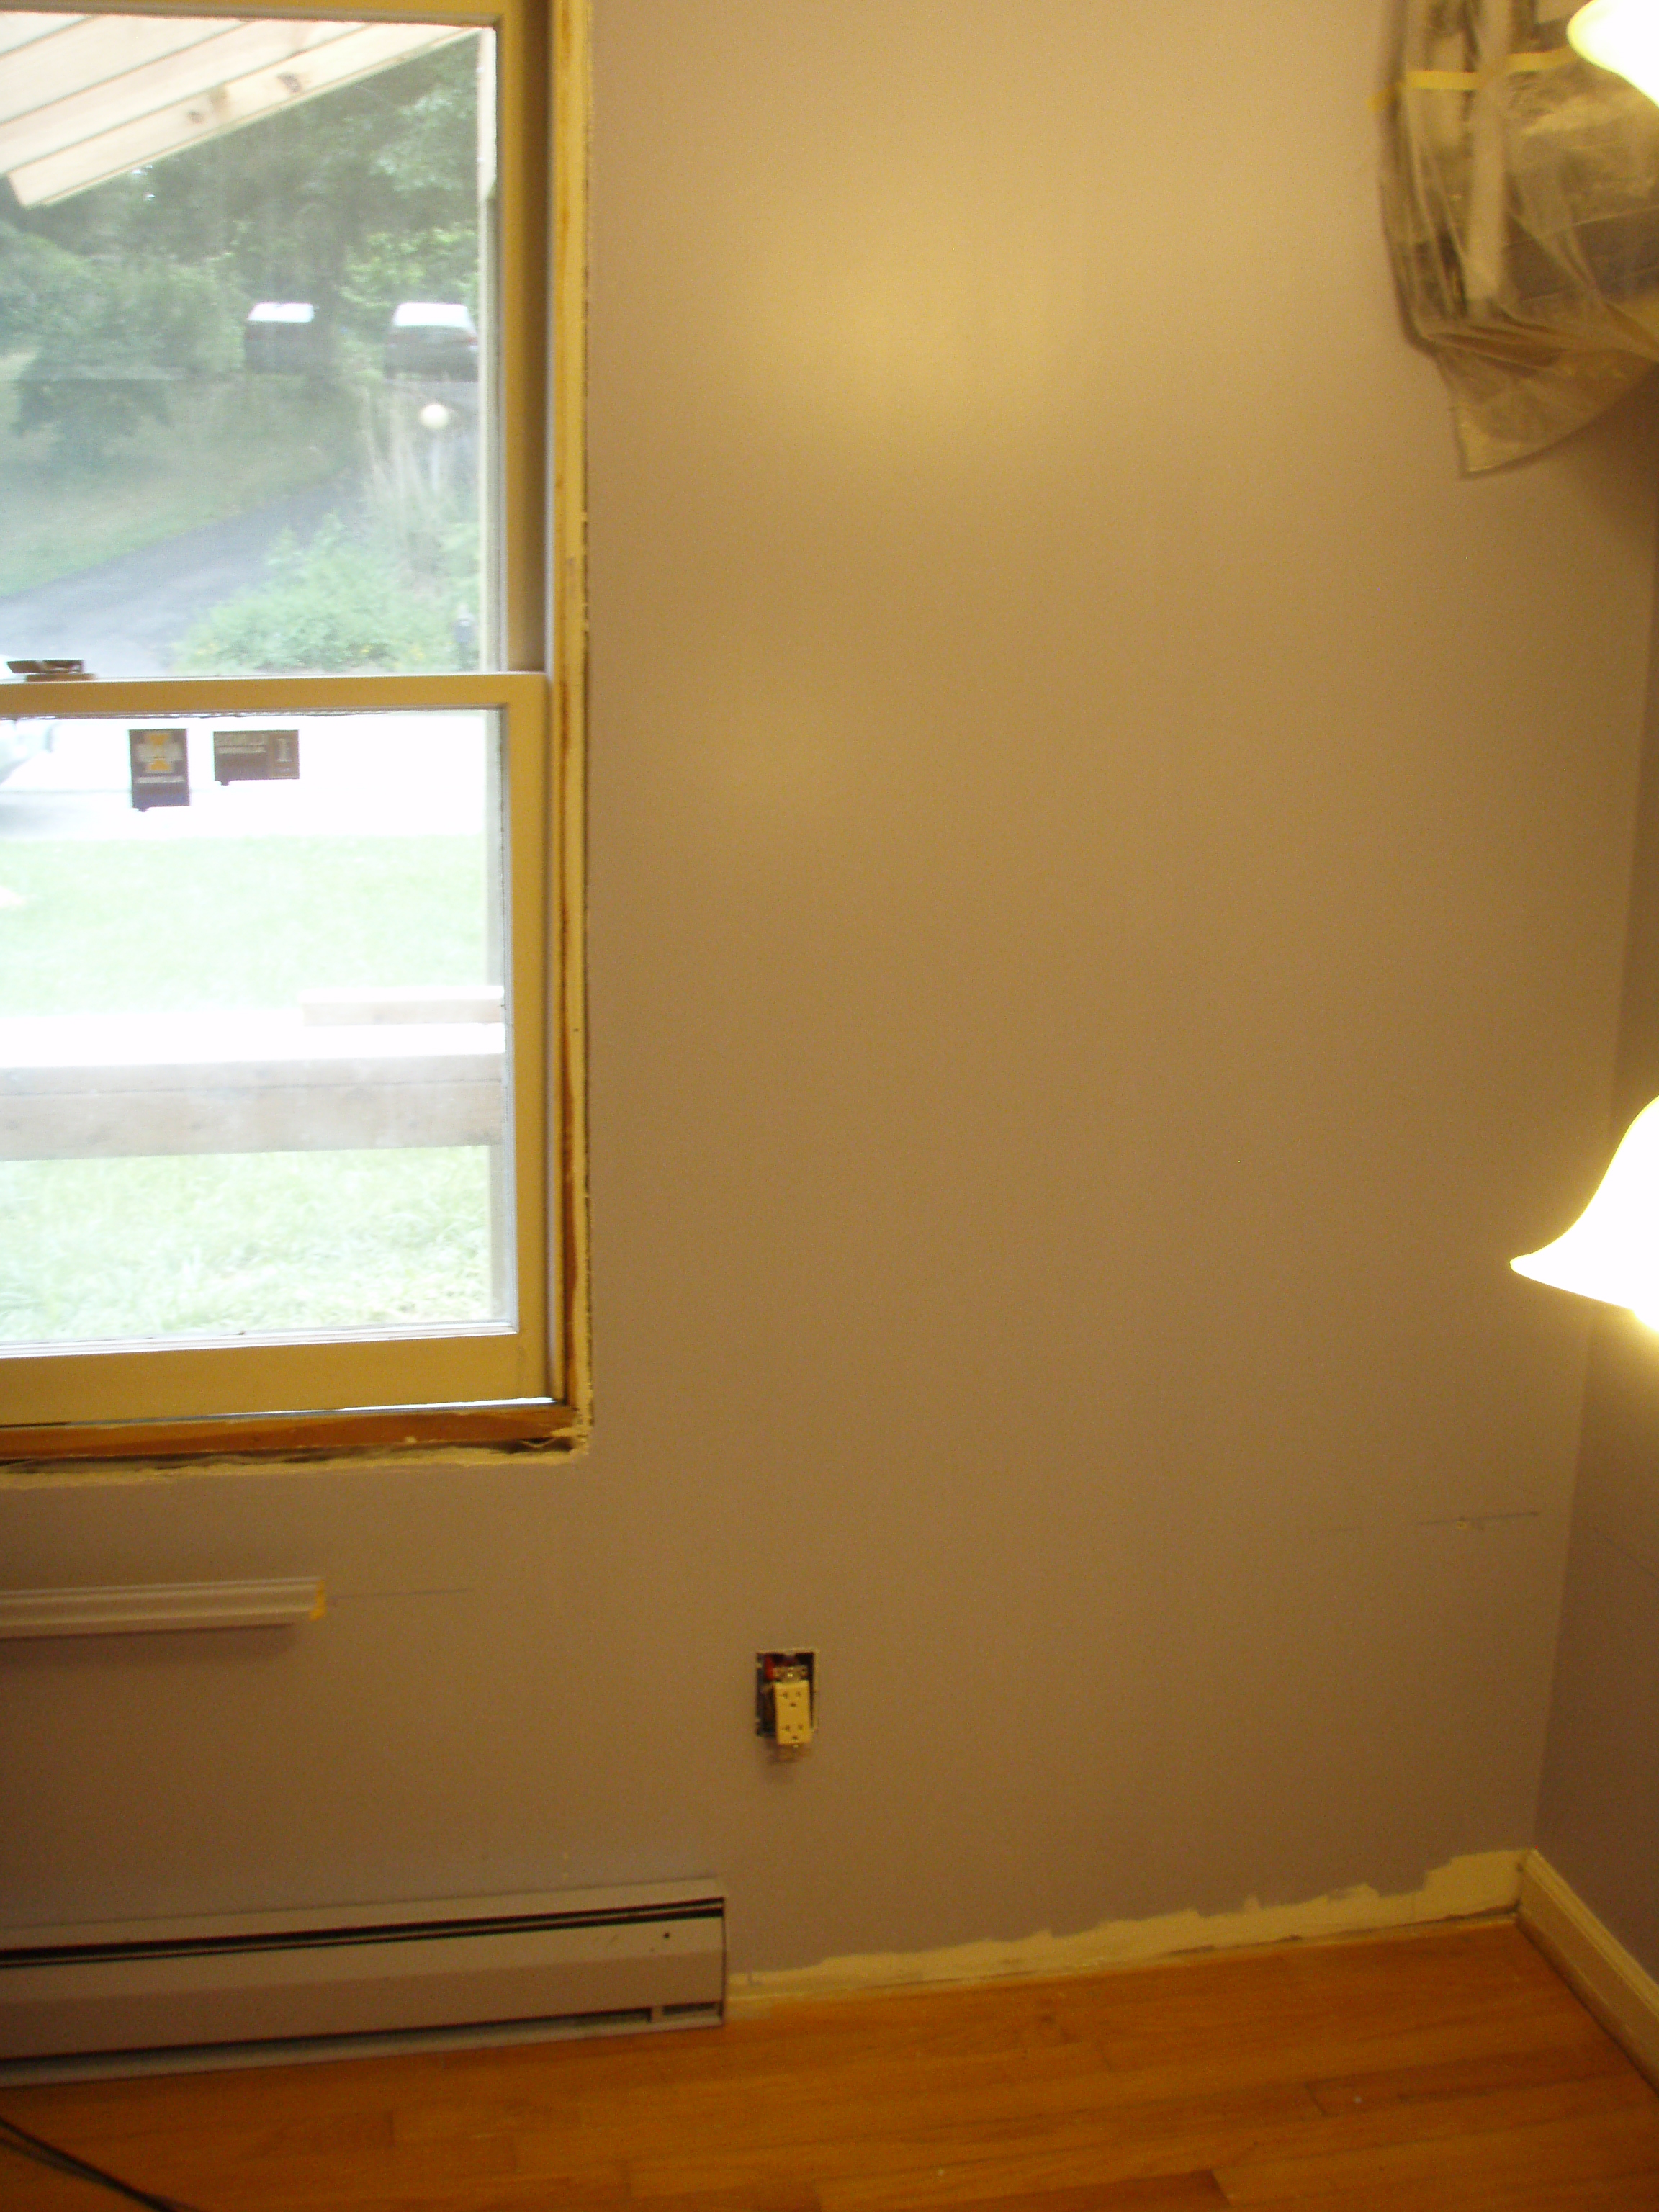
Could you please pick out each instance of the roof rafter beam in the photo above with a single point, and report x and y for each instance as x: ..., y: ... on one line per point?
x: 148, y: 127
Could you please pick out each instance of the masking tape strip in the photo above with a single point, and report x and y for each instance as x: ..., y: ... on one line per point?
x: 1428, y: 80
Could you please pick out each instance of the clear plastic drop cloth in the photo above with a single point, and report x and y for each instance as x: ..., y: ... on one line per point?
x: 1521, y: 199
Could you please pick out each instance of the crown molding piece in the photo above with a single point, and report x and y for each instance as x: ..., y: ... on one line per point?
x: 152, y: 1608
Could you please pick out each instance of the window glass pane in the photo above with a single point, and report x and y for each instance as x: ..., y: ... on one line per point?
x: 245, y: 343
x: 252, y: 1028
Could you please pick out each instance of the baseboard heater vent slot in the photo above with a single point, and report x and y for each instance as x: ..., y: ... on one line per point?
x: 153, y: 1995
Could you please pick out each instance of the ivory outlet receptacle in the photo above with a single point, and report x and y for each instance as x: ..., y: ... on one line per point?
x: 786, y: 1700
x: 792, y: 1713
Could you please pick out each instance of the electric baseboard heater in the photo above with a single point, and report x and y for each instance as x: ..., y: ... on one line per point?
x: 167, y: 1995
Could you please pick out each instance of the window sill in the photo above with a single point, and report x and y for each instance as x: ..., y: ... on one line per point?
x: 28, y: 1455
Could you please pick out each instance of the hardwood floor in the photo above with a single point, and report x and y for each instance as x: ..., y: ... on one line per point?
x: 1451, y: 2071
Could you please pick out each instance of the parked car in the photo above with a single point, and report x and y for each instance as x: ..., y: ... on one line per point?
x: 284, y: 336
x: 433, y: 338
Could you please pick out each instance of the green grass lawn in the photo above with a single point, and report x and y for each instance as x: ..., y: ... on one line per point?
x: 221, y: 1243
x: 199, y: 923
x: 242, y: 1242
x: 230, y: 444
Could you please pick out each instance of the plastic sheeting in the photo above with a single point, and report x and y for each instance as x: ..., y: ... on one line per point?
x: 1520, y: 197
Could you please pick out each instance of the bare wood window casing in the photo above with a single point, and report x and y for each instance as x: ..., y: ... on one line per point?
x: 290, y: 1096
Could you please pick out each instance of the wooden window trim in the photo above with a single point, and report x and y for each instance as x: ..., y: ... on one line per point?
x: 377, y: 1429
x: 545, y: 547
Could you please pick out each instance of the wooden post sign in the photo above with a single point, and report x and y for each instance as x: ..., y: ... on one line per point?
x: 160, y: 768
x: 256, y: 755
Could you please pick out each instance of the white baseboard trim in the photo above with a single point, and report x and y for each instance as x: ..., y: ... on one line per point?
x: 1615, y: 1986
x: 1480, y: 1884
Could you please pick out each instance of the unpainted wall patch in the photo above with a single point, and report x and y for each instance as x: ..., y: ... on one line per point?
x: 1480, y: 1883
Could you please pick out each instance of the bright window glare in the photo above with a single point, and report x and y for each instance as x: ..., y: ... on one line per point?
x: 253, y: 1029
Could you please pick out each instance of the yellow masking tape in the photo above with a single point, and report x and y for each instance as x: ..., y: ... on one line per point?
x: 1428, y: 80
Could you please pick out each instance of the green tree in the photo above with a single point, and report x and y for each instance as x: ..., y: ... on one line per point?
x: 109, y: 339
x: 376, y: 182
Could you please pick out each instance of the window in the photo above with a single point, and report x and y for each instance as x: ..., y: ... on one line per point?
x: 289, y: 1103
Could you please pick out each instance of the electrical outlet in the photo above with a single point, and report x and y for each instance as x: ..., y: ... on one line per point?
x: 786, y: 1700
x: 792, y: 1714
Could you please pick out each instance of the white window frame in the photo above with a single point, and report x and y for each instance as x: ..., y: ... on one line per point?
x: 530, y: 1385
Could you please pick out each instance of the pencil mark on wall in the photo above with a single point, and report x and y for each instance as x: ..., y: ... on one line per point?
x: 1478, y: 1524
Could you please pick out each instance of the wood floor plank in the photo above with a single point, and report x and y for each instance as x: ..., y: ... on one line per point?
x: 1449, y: 2070
x: 26, y: 2187
x: 785, y: 2127
x: 1540, y: 2054
x: 1616, y: 2192
x: 1579, y: 2060
x: 1062, y: 2077
x: 506, y: 2195
x: 1168, y: 2192
x: 1156, y: 2141
x: 1037, y: 2150
x: 1483, y: 2191
x: 786, y: 2105
x: 202, y: 2171
x: 1485, y: 2112
x: 1585, y: 2147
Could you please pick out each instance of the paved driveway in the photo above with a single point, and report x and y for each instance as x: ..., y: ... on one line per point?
x: 124, y: 617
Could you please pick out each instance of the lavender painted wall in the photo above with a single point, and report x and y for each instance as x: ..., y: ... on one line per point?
x: 1108, y: 876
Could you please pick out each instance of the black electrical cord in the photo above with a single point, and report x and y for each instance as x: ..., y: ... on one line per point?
x: 14, y: 2138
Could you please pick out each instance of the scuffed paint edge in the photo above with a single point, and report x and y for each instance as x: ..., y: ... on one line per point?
x: 1614, y: 1984
x: 374, y: 1459
x: 1478, y: 1883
